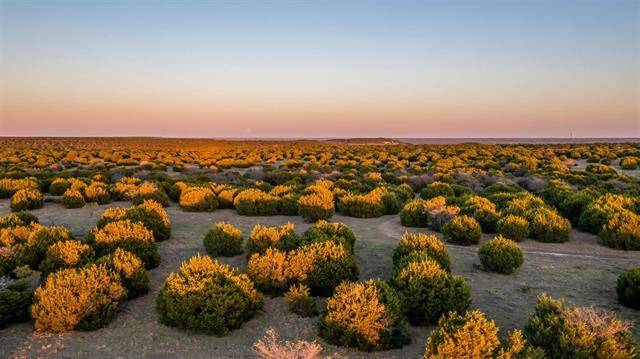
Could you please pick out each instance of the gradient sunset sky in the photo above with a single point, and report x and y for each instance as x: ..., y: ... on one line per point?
x: 320, y: 68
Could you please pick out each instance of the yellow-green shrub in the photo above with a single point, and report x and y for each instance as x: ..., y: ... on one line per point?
x: 198, y: 199
x: 223, y: 239
x: 500, y: 255
x: 254, y: 202
x: 513, y: 227
x: 207, y: 296
x: 622, y: 231
x: 420, y: 242
x: 131, y: 236
x: 129, y: 269
x: 323, y: 231
x: 300, y: 301
x: 283, y: 237
x: 462, y: 230
x: 316, y: 206
x: 26, y: 199
x: 66, y: 254
x: 72, y: 199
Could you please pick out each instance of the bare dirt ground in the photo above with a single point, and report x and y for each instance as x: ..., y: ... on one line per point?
x: 581, y: 271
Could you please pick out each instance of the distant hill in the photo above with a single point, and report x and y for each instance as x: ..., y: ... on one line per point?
x: 539, y: 140
x: 365, y: 141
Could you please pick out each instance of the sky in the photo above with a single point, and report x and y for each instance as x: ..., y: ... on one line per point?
x: 320, y: 68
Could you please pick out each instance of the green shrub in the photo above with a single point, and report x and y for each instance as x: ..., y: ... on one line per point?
x: 150, y: 191
x: 129, y: 269
x: 622, y: 231
x: 130, y: 236
x: 500, y: 255
x: 629, y: 163
x: 316, y: 206
x: 58, y: 186
x: 18, y: 219
x: 72, y: 199
x: 471, y: 335
x: 254, y: 202
x: 572, y: 206
x: 513, y: 227
x: 547, y: 225
x: 599, y: 212
x: 198, y: 199
x: 208, y: 297
x: 367, y: 205
x: 300, y: 301
x: 628, y: 288
x: 16, y: 296
x: 436, y: 189
x: 153, y: 217
x: 77, y: 299
x: 97, y: 192
x: 483, y: 211
x: 26, y: 199
x: 568, y: 332
x: 420, y: 242
x: 223, y: 239
x: 176, y: 190
x: 269, y: 271
x: 462, y: 230
x: 226, y: 197
x: 364, y: 315
x: 261, y: 238
x: 323, y: 231
x: 428, y: 291
x: 66, y: 254
x: 414, y: 214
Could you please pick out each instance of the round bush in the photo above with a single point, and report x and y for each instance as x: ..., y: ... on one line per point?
x: 414, y: 214
x: 16, y: 297
x: 471, y: 335
x: 131, y: 236
x: 226, y: 197
x: 207, y: 296
x: 223, y: 239
x: 269, y: 271
x: 513, y: 227
x: 436, y: 189
x: 150, y: 191
x: 97, y: 192
x: 420, y: 242
x: 26, y: 199
x: 483, y: 211
x: 130, y: 271
x: 72, y: 199
x: 622, y: 231
x: 500, y: 255
x: 66, y: 254
x: 316, y: 206
x: 364, y: 315
x: 77, y: 299
x: 628, y: 288
x: 428, y: 291
x: 254, y: 202
x: 323, y: 231
x: 176, y: 190
x: 462, y: 230
x: 58, y: 186
x: 198, y: 199
x: 547, y: 225
x: 577, y: 332
x: 261, y: 238
x: 600, y: 211
x: 300, y: 301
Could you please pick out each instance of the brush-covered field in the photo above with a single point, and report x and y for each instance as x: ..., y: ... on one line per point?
x: 194, y: 248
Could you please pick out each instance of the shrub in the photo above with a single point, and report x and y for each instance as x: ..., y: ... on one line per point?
x: 438, y: 213
x: 300, y: 301
x: 622, y: 231
x: 577, y: 332
x: 599, y: 212
x: 72, y: 199
x: 58, y: 186
x: 367, y: 205
x: 513, y: 227
x: 17, y: 219
x: 16, y: 296
x: 420, y: 242
x: 365, y: 315
x: 97, y: 192
x: 261, y: 238
x: 428, y: 291
x: 26, y: 199
x: 629, y: 163
x: 77, y: 299
x: 254, y: 202
x: 414, y: 214
x: 131, y: 236
x: 323, y: 231
x: 66, y: 254
x: 322, y: 266
x: 500, y: 255
x: 226, y: 197
x: 198, y: 199
x: 270, y: 347
x: 436, y: 189
x: 28, y: 245
x: 574, y: 204
x: 462, y: 230
x: 628, y: 288
x: 316, y: 206
x: 223, y: 239
x: 269, y: 271
x: 547, y: 225
x: 150, y: 191
x: 471, y: 335
x: 176, y: 190
x: 9, y: 186
x: 483, y: 211
x: 153, y: 216
x: 207, y: 296
x: 129, y: 269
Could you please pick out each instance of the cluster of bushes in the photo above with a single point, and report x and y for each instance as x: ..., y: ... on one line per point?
x: 150, y: 214
x: 262, y: 237
x: 208, y: 297
x: 365, y: 315
x: 9, y: 186
x: 376, y: 203
x: 433, y: 213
